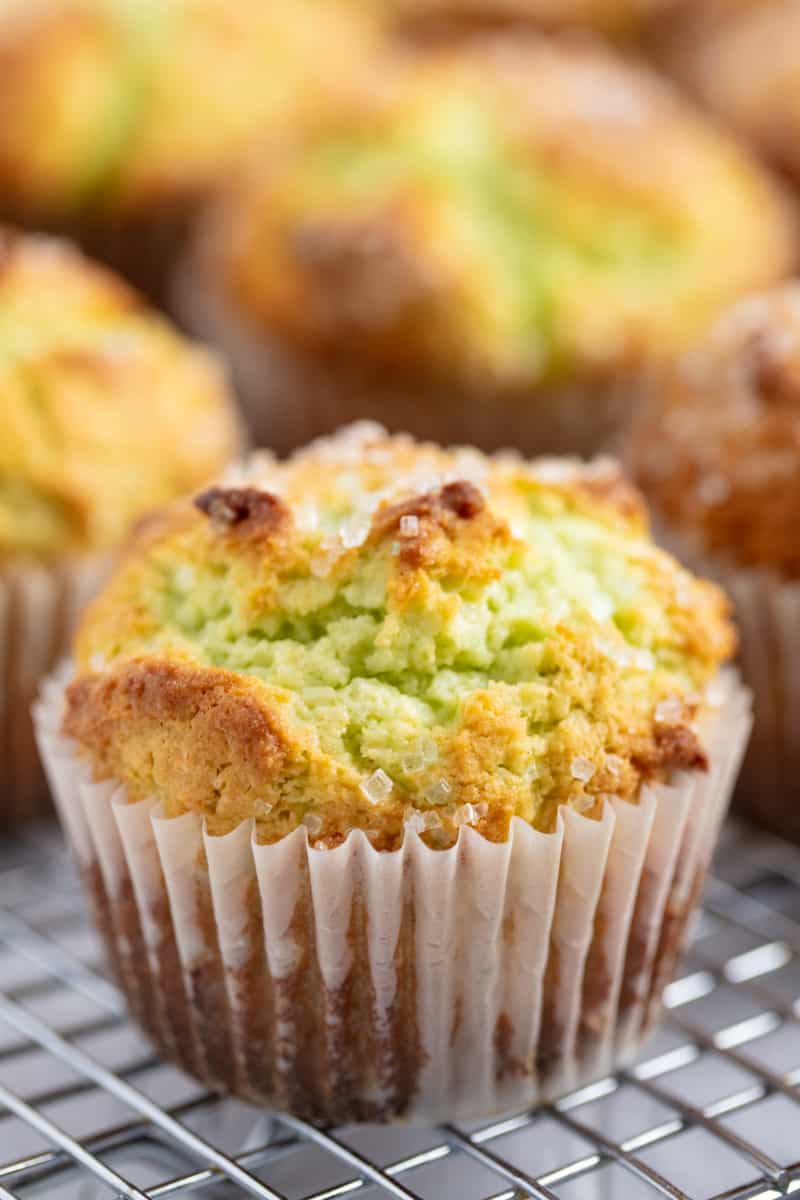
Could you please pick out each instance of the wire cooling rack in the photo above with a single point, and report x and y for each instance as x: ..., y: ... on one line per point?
x: 711, y: 1110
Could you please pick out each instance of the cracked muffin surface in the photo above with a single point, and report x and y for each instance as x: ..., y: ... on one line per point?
x: 381, y: 635
x: 107, y: 411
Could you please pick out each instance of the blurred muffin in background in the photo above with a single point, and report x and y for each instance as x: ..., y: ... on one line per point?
x: 718, y: 455
x: 119, y: 115
x: 107, y: 413
x: 742, y: 59
x: 489, y: 246
x: 618, y: 18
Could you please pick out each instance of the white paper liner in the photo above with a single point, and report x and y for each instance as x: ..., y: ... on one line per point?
x: 353, y: 984
x: 768, y: 615
x: 767, y: 610
x: 289, y: 398
x: 39, y: 605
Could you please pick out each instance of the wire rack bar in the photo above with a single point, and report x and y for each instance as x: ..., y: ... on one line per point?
x: 69, y: 1145
x: 343, y: 1152
x: 46, y: 953
x: 761, y: 973
x: 76, y: 1058
x: 521, y: 1179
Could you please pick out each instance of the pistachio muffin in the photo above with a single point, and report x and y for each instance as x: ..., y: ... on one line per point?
x: 107, y: 412
x: 119, y: 116
x: 388, y: 700
x: 463, y: 254
x: 742, y: 59
x: 718, y: 454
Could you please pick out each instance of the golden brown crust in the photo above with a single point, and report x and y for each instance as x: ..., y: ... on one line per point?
x: 460, y: 499
x: 438, y: 539
x: 205, y: 740
x: 718, y: 450
x: 247, y: 514
x: 674, y: 747
x: 205, y: 730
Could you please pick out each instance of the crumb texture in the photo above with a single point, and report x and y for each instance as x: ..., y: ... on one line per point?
x: 380, y: 634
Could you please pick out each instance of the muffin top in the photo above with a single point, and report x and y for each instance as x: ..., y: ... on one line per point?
x: 718, y: 449
x: 382, y: 635
x: 106, y: 410
x: 127, y: 104
x: 500, y: 213
x: 743, y: 59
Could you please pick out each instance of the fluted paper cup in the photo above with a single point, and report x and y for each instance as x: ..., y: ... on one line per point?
x: 290, y: 398
x: 352, y: 984
x: 767, y: 611
x: 39, y: 604
x: 768, y: 615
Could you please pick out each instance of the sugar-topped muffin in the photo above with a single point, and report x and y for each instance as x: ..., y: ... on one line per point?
x: 377, y: 632
x: 118, y: 116
x: 718, y: 455
x: 107, y: 412
x: 491, y: 241
x: 394, y: 773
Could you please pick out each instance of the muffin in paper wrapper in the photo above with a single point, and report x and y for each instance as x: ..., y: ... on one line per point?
x: 39, y: 605
x: 353, y: 984
x: 290, y: 397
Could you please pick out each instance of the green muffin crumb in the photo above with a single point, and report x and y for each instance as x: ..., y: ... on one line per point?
x: 379, y: 634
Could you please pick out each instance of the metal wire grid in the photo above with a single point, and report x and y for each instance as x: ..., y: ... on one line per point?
x: 712, y: 1110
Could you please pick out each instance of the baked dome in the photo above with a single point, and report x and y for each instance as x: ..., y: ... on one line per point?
x: 381, y: 634
x: 125, y: 104
x: 718, y: 450
x: 502, y: 214
x: 107, y: 411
